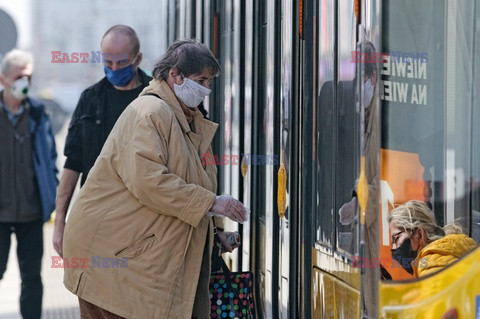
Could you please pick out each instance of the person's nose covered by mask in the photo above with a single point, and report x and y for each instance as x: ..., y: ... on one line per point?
x: 190, y: 92
x: 405, y: 255
x: 19, y: 89
x: 120, y: 77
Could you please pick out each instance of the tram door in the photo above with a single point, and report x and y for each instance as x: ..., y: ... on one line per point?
x: 270, y: 145
x: 274, y: 246
x: 288, y: 158
x: 230, y: 107
x: 247, y: 109
x: 257, y: 141
x: 330, y: 193
x: 248, y: 230
x: 270, y: 248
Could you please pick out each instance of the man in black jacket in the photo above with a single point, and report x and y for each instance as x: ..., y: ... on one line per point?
x: 97, y: 111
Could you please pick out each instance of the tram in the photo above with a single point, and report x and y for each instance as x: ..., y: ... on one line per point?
x: 322, y: 165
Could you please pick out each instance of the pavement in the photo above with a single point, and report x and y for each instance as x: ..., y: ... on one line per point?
x: 58, y: 302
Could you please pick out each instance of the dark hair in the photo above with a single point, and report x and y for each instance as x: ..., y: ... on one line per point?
x: 126, y: 31
x: 189, y: 57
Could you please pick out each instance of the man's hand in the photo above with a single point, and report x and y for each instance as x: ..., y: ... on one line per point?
x: 57, y: 239
x: 68, y: 181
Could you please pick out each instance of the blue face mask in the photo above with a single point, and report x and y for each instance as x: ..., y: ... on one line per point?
x: 120, y: 77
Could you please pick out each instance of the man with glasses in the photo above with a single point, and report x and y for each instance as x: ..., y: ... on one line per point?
x: 97, y: 111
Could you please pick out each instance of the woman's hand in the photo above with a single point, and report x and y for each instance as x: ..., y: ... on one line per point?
x: 226, y: 205
x: 226, y: 247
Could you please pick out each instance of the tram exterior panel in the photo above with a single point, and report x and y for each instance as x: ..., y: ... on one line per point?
x: 293, y: 89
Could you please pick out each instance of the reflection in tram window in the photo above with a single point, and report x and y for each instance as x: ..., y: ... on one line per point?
x: 371, y: 146
x: 325, y: 116
x: 430, y: 150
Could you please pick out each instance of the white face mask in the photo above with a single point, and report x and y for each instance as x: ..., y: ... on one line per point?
x: 368, y: 90
x: 190, y: 92
x: 20, y: 88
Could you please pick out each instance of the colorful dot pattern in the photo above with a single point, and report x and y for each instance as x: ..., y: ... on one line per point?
x: 231, y: 295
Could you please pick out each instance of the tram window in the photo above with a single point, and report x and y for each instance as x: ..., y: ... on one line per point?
x: 347, y: 130
x: 337, y: 129
x: 430, y: 108
x: 324, y: 123
x: 346, y: 166
x: 475, y: 184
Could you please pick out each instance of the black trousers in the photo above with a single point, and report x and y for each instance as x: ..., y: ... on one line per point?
x: 29, y: 253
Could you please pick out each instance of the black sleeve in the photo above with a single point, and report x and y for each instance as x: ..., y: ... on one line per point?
x: 73, y: 144
x: 385, y: 275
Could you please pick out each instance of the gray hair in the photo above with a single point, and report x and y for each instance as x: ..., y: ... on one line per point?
x: 15, y: 57
x: 128, y: 32
x: 416, y: 214
x: 189, y: 57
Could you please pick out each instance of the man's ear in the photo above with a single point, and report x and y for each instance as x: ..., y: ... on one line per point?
x: 139, y: 59
x: 3, y: 80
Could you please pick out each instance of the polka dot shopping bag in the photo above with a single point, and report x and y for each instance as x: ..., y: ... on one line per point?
x: 231, y: 293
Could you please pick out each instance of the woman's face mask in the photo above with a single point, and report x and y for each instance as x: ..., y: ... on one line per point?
x: 405, y: 255
x: 190, y: 92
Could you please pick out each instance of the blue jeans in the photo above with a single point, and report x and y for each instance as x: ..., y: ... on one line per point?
x: 29, y: 253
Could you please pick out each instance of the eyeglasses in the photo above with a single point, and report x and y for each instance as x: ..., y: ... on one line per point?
x: 396, y: 236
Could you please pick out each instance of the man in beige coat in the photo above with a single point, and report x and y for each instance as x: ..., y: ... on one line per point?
x: 142, y: 220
